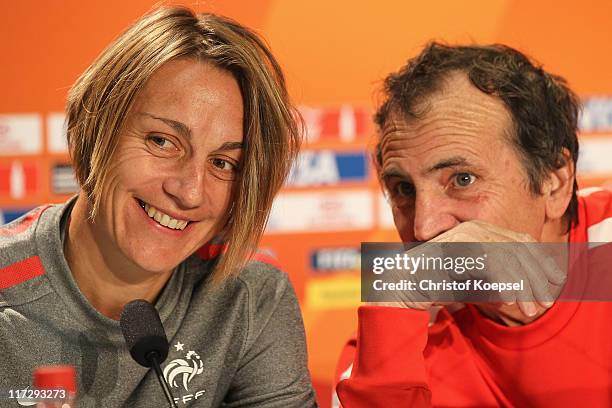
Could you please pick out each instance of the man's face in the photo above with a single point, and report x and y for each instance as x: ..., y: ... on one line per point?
x: 456, y: 163
x: 171, y: 176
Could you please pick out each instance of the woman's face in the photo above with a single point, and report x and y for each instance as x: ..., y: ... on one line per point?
x: 171, y: 176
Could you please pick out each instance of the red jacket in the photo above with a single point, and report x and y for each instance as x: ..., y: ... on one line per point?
x: 563, y: 359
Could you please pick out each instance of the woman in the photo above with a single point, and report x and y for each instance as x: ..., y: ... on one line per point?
x: 181, y: 133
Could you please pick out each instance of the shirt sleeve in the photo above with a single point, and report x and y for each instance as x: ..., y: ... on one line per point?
x: 388, y: 367
x: 273, y: 371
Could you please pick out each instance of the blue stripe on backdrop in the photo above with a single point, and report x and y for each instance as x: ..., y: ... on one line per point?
x: 7, y: 215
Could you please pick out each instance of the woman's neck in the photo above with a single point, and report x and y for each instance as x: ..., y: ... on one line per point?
x: 103, y: 274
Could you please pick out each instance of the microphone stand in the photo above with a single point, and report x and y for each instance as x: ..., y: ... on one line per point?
x: 152, y: 357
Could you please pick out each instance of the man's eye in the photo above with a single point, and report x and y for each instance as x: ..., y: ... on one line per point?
x: 404, y: 189
x: 463, y: 179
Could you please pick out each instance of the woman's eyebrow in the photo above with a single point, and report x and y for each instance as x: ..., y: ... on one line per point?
x: 182, y: 128
x: 231, y: 146
x: 186, y: 132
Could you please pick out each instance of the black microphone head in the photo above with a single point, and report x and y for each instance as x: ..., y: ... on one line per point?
x: 143, y: 332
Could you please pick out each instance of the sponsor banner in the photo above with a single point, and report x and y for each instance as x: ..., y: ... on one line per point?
x: 596, y: 115
x: 320, y: 211
x: 56, y: 133
x: 63, y: 180
x: 20, y: 134
x: 594, y: 156
x: 345, y: 124
x: 335, y: 259
x: 385, y: 215
x: 19, y: 179
x: 7, y: 216
x: 333, y: 293
x: 328, y: 167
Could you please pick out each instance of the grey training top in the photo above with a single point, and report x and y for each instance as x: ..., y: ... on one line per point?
x: 241, y: 345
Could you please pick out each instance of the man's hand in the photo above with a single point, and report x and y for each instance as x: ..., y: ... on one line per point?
x: 520, y: 259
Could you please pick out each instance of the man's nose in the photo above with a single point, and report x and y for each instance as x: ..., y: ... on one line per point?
x: 187, y: 185
x: 432, y: 216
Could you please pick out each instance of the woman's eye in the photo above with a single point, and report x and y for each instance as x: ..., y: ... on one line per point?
x: 463, y: 179
x: 222, y: 164
x: 162, y: 142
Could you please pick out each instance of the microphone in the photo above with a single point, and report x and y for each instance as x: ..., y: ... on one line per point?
x: 146, y: 339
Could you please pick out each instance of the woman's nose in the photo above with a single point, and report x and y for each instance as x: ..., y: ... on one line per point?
x: 187, y: 185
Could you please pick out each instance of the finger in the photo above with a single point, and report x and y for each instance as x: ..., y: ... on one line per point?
x: 535, y: 295
x: 508, y: 298
x: 529, y: 309
x: 539, y: 285
x: 493, y: 233
x: 553, y: 272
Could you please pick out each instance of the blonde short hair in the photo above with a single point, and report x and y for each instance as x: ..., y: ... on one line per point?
x: 100, y: 99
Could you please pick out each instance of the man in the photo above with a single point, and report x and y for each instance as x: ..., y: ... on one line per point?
x: 477, y: 144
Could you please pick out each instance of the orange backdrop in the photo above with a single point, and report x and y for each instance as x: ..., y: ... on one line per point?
x: 335, y: 53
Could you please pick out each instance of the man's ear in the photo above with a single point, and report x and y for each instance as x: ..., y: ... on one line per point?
x: 559, y: 186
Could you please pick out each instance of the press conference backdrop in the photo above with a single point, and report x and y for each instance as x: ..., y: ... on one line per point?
x: 335, y: 55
